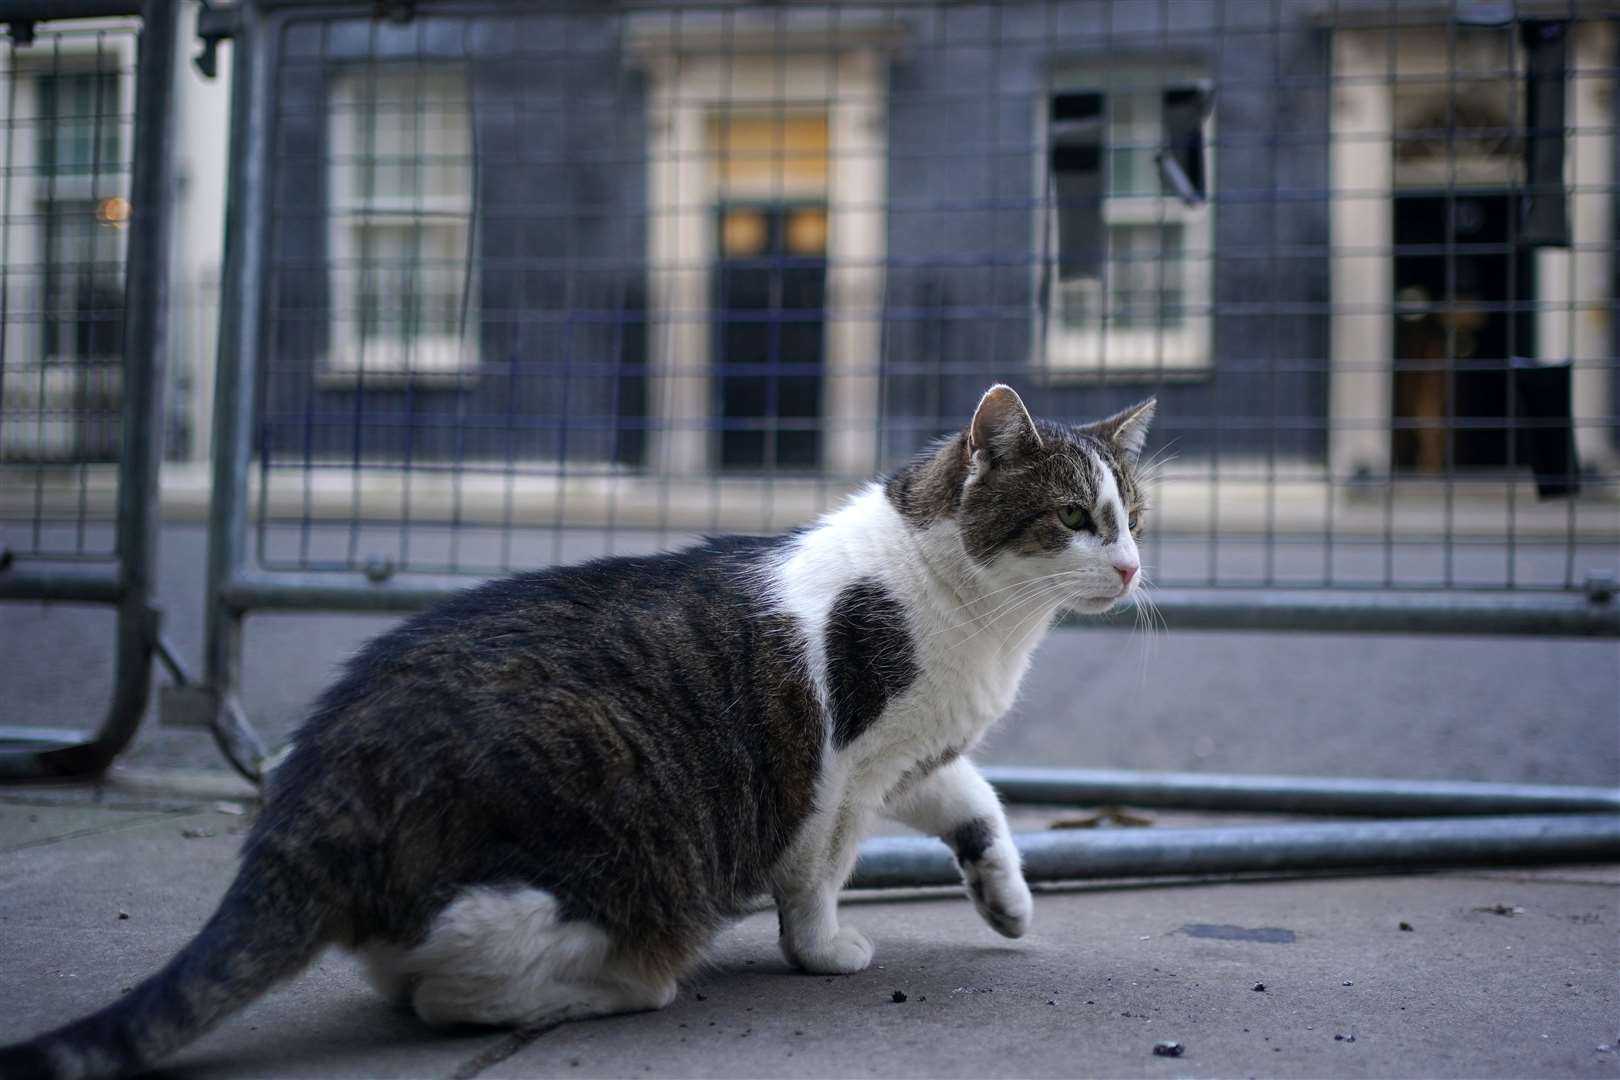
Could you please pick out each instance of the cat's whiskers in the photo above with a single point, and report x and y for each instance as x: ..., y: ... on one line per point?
x: 979, y: 618
x: 1015, y: 585
x: 1040, y: 590
x: 1037, y: 625
x: 1032, y: 603
x: 1149, y: 620
x: 1053, y: 596
x: 1029, y: 591
x: 1152, y: 469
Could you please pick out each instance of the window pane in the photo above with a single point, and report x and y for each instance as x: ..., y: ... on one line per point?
x: 403, y: 164
x: 411, y: 280
x: 412, y: 140
x: 78, y: 123
x: 1145, y: 272
x: 1135, y: 131
x: 1144, y: 279
x: 1132, y: 172
x: 770, y: 155
x: 83, y: 284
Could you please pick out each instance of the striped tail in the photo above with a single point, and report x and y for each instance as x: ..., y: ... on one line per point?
x: 262, y: 933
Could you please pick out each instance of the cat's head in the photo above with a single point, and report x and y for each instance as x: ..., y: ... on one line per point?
x: 1030, y: 499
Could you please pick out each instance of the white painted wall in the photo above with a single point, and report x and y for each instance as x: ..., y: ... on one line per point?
x: 202, y: 129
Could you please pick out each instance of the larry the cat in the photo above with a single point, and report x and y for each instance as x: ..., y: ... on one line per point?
x: 540, y: 800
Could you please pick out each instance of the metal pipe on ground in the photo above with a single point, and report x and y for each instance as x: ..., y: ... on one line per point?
x: 893, y: 862
x: 1294, y: 794
x: 1381, y: 611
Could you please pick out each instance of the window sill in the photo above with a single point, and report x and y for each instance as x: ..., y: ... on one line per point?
x: 1077, y: 357
x: 1056, y: 374
x: 330, y: 376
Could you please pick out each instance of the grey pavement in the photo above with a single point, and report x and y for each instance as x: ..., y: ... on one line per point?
x: 100, y: 884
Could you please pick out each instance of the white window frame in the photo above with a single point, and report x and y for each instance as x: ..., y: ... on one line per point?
x: 98, y: 46
x: 1089, y: 353
x: 44, y: 397
x: 389, y: 360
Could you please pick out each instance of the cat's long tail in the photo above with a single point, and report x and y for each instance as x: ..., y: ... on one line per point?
x: 264, y: 931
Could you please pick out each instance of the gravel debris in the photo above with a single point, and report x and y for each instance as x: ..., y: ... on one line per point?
x: 1258, y: 988
x: 1168, y: 1049
x: 898, y: 997
x: 1406, y: 926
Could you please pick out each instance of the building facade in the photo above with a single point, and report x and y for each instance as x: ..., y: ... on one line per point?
x: 804, y: 239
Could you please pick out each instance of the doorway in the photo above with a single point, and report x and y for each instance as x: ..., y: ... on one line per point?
x: 1460, y: 319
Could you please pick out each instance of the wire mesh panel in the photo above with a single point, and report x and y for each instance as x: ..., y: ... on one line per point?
x: 85, y: 188
x: 66, y: 132
x: 544, y: 285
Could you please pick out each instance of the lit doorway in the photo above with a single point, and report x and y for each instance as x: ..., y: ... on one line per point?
x: 769, y: 280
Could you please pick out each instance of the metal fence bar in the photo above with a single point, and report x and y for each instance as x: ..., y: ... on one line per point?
x: 1293, y: 794
x: 89, y: 585
x: 241, y: 299
x: 1351, y: 610
x: 914, y: 862
x: 47, y: 754
x: 1554, y: 614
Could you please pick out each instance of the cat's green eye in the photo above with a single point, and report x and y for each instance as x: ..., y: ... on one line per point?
x: 1074, y: 517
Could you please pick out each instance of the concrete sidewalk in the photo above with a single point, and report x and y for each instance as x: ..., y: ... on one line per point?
x: 1503, y: 973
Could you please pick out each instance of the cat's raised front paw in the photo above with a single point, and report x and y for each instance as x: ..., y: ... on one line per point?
x: 1003, y: 901
x: 845, y: 953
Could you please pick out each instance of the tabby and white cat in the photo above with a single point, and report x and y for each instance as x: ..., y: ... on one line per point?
x: 540, y: 799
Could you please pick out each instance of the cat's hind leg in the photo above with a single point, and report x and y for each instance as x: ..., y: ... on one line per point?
x: 506, y: 956
x: 385, y: 970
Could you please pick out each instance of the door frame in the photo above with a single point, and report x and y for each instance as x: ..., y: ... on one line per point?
x: 1571, y: 282
x: 690, y: 79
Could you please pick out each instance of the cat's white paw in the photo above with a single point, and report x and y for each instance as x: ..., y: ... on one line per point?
x: 1003, y: 900
x: 845, y: 953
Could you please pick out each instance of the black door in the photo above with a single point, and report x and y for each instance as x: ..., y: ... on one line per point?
x: 1462, y: 313
x: 770, y: 294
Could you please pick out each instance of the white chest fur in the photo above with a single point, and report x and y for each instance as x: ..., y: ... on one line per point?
x: 969, y: 650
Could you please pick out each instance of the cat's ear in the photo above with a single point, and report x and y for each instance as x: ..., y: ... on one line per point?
x: 1002, y: 428
x: 1127, y: 431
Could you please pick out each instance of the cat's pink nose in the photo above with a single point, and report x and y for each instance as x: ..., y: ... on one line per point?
x: 1126, y: 572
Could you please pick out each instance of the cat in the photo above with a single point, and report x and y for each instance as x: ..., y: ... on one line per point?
x: 539, y: 800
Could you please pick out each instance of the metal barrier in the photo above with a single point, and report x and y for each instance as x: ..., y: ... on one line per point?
x: 84, y: 242
x: 508, y: 287
x: 889, y: 862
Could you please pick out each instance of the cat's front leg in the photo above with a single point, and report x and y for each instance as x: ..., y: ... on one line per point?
x: 807, y: 900
x: 812, y: 938
x: 959, y: 806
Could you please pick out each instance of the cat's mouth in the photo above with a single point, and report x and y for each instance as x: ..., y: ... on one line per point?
x: 1096, y: 605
